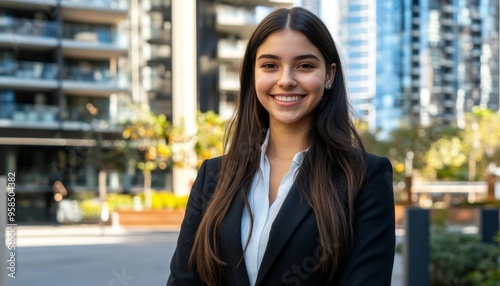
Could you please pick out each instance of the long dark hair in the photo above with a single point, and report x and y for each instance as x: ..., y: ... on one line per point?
x: 332, y: 171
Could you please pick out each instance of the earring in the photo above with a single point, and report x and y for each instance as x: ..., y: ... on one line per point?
x: 328, y: 86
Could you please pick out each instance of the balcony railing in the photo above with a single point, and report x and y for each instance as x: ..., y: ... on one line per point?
x: 96, y: 35
x: 159, y: 52
x: 27, y: 27
x: 28, y: 70
x: 29, y: 113
x: 110, y: 4
x: 101, y: 76
x: 231, y: 49
x: 228, y: 78
x: 160, y: 85
x: 159, y: 35
x: 230, y: 15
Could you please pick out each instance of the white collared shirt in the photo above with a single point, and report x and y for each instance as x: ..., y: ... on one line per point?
x: 263, y: 214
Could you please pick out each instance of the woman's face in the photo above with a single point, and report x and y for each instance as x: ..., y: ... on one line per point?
x: 290, y: 77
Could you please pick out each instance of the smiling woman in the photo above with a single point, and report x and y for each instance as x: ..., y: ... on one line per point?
x: 296, y: 200
x: 290, y: 82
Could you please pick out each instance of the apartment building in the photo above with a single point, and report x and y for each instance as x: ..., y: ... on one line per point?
x: 358, y: 40
x: 454, y: 54
x: 69, y: 71
x: 419, y: 62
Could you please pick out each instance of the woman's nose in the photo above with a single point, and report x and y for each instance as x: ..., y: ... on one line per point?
x: 287, y: 79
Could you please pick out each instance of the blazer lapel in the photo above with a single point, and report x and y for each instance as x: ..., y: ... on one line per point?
x: 231, y: 232
x: 292, y: 212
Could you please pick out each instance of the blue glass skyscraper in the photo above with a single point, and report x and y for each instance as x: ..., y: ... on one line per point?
x: 420, y: 62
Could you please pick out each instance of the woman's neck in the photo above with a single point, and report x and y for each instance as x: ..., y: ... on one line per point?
x: 286, y: 141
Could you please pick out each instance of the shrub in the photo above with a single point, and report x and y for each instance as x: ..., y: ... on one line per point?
x: 166, y: 200
x: 120, y: 202
x: 90, y: 208
x: 462, y: 259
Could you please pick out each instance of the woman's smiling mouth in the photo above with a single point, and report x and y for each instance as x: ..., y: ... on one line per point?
x: 283, y: 98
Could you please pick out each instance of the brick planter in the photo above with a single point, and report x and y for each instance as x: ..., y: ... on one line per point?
x: 150, y: 217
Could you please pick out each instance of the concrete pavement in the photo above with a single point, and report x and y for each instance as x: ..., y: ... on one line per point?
x: 94, y: 256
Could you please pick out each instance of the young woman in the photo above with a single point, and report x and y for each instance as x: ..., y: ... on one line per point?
x: 296, y: 200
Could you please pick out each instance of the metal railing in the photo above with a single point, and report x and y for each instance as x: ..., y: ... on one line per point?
x: 93, y: 75
x: 112, y: 4
x: 29, y: 112
x: 28, y: 70
x: 96, y: 35
x: 28, y: 27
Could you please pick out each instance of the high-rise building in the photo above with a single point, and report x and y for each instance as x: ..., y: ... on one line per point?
x: 63, y: 77
x: 390, y: 61
x: 69, y: 69
x: 358, y: 41
x: 453, y: 51
x: 419, y: 62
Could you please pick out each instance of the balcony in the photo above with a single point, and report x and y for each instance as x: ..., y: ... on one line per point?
x: 26, y: 4
x: 449, y: 90
x: 158, y: 6
x: 160, y: 85
x: 91, y: 113
x: 448, y: 8
x: 25, y: 33
x: 236, y: 20
x: 95, y: 81
x: 158, y: 54
x: 228, y: 78
x: 268, y: 3
x: 159, y: 36
x: 447, y: 63
x: 231, y: 49
x: 28, y: 75
x: 93, y: 43
x: 28, y: 115
x: 95, y: 11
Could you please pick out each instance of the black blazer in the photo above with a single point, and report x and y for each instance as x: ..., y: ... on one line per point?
x: 292, y: 251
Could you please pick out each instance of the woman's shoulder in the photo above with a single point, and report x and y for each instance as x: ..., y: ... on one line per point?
x: 213, y: 163
x: 376, y: 161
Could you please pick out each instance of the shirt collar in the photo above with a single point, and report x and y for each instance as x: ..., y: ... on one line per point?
x: 297, y: 159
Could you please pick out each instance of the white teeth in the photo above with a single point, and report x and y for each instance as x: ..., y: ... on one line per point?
x: 287, y: 98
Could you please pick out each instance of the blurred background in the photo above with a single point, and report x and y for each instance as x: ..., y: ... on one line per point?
x: 107, y: 107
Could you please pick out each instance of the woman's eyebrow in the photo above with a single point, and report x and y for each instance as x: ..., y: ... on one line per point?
x: 269, y: 56
x: 307, y: 56
x: 300, y: 57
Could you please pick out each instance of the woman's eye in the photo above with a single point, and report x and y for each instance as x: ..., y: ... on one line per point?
x: 269, y: 66
x: 306, y: 66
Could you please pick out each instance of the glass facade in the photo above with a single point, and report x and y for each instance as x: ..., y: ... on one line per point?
x: 358, y: 38
x: 435, y: 60
x: 389, y: 92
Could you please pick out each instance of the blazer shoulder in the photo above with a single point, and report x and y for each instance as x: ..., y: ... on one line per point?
x: 379, y: 176
x: 213, y: 163
x: 207, y: 177
x: 375, y: 162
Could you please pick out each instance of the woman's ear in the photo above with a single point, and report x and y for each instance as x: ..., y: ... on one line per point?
x: 330, y: 75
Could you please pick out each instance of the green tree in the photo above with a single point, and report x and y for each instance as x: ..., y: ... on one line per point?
x: 481, y: 135
x: 149, y: 133
x: 209, y: 136
x: 416, y: 139
x: 446, y: 159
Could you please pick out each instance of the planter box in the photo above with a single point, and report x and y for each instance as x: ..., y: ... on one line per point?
x: 150, y: 217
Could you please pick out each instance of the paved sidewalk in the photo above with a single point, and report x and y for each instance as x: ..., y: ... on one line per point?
x: 88, y: 255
